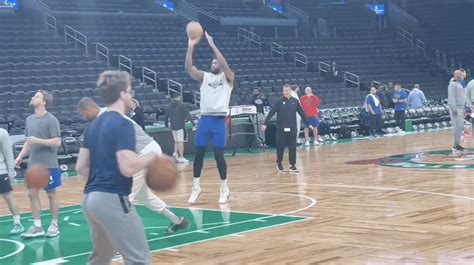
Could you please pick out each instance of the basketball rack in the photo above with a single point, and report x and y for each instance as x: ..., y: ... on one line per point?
x: 243, y: 111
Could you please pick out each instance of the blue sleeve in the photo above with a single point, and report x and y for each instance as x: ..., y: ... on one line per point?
x: 125, y: 136
x: 404, y: 95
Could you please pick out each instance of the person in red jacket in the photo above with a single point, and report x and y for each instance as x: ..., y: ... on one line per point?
x: 310, y: 103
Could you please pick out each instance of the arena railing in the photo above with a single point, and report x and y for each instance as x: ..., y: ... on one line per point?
x: 200, y: 10
x: 299, y: 58
x: 278, y: 49
x: 376, y: 84
x: 146, y: 72
x: 352, y: 78
x: 51, y: 24
x: 175, y: 87
x: 46, y: 6
x: 123, y: 64
x: 102, y: 51
x: 249, y: 36
x: 78, y: 37
x: 324, y: 67
x: 406, y: 36
x: 420, y: 47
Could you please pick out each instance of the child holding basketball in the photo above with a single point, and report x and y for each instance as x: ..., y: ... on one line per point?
x: 7, y: 173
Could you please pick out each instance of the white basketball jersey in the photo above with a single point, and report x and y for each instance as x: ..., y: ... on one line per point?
x: 215, y: 94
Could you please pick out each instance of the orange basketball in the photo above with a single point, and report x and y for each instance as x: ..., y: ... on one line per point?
x: 194, y: 30
x: 37, y: 177
x: 162, y: 174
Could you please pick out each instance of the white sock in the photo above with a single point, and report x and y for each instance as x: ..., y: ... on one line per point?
x: 196, y: 183
x: 16, y: 220
x: 224, y: 184
x: 171, y: 216
x: 37, y: 223
x: 54, y: 221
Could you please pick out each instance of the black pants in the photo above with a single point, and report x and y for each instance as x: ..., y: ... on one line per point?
x: 375, y: 123
x: 400, y: 118
x: 286, y: 139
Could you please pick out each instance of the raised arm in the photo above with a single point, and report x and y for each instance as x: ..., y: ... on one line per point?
x: 188, y: 64
x: 221, y: 60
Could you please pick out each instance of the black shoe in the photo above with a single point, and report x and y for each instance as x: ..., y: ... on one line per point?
x: 280, y: 167
x: 293, y: 169
x: 175, y: 227
x: 460, y: 147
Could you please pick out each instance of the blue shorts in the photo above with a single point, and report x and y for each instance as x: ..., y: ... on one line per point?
x: 211, y: 128
x: 313, y: 121
x: 54, y: 179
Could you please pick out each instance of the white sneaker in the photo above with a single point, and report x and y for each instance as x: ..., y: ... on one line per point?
x: 53, y: 231
x: 306, y: 144
x: 194, y: 195
x: 320, y: 139
x: 224, y: 197
x: 33, y: 232
x: 182, y: 160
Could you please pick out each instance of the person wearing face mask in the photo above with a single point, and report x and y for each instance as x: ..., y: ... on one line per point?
x: 260, y: 102
x: 176, y: 115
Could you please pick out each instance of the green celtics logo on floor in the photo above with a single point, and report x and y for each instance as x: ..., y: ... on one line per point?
x: 444, y: 159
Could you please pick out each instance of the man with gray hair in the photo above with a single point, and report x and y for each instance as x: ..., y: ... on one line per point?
x: 456, y: 103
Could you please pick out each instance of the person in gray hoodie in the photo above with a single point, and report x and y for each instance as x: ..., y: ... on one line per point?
x: 7, y: 173
x: 456, y: 103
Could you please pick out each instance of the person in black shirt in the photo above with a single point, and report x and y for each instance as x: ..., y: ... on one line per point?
x: 260, y: 102
x: 137, y: 114
x: 286, y: 107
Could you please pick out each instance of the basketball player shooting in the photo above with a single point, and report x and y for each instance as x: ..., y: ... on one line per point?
x: 216, y: 88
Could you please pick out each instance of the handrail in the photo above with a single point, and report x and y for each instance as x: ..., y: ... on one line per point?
x: 249, y: 36
x: 374, y: 82
x: 75, y: 34
x: 180, y: 87
x: 445, y: 61
x: 277, y: 48
x: 324, y: 67
x: 355, y: 78
x: 44, y: 5
x: 300, y: 58
x: 405, y: 35
x: 196, y: 100
x: 123, y: 59
x: 298, y: 10
x: 145, y: 71
x: 51, y: 23
x: 200, y: 10
x: 105, y: 54
x: 420, y: 46
x: 438, y: 58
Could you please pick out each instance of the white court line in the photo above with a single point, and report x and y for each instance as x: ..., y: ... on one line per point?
x: 313, y: 202
x: 352, y: 187
x: 20, y: 248
x: 74, y: 224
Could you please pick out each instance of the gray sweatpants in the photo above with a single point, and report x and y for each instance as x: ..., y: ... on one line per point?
x: 257, y: 121
x: 115, y: 226
x: 458, y: 124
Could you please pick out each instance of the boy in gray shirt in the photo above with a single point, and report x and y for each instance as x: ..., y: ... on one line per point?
x: 43, y: 137
x: 7, y: 173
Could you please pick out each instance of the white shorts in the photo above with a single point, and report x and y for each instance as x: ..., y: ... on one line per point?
x: 178, y: 136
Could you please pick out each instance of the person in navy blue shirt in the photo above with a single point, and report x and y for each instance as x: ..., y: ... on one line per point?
x: 108, y: 161
x: 374, y: 108
x: 400, y: 99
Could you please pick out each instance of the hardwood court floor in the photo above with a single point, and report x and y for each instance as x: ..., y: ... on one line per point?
x: 360, y: 213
